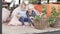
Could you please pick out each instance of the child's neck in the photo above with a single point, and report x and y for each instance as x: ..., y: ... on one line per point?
x: 30, y: 12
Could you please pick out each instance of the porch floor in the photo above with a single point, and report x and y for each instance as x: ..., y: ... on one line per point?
x: 24, y: 30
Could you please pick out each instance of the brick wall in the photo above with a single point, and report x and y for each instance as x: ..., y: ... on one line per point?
x: 49, y: 6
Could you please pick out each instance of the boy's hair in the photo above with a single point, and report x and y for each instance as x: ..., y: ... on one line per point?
x: 23, y: 3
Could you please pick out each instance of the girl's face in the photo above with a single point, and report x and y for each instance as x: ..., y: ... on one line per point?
x: 30, y: 10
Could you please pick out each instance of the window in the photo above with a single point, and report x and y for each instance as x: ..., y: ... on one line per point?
x: 52, y: 0
x: 58, y: 0
x: 26, y: 1
x: 8, y: 1
x: 43, y: 1
x: 32, y: 1
x: 16, y: 1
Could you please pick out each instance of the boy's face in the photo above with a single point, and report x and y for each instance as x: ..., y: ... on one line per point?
x: 23, y: 7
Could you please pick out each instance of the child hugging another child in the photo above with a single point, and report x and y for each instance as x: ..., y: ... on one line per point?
x: 27, y: 16
x: 30, y: 12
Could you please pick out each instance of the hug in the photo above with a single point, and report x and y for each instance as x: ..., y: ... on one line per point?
x: 26, y: 15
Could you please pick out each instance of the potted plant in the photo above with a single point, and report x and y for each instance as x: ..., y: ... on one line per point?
x: 40, y: 22
x: 57, y: 24
x: 53, y: 18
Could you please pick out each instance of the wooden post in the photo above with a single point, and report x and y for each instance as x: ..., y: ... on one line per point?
x: 48, y: 1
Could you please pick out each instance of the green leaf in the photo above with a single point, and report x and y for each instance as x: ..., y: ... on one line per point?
x: 36, y: 18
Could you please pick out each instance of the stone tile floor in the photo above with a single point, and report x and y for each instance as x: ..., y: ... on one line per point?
x: 24, y: 30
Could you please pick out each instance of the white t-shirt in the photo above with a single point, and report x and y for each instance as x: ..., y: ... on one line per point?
x: 18, y: 11
x: 22, y: 13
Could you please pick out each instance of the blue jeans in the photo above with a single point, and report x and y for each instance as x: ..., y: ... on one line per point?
x: 25, y: 19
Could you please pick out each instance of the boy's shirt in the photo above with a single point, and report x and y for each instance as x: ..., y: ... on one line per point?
x: 22, y: 13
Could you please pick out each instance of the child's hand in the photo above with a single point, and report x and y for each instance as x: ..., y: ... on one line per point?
x: 32, y: 18
x: 17, y: 16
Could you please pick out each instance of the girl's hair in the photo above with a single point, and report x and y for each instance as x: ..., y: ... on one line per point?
x: 30, y: 6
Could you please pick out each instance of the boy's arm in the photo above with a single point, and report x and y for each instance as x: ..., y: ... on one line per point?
x: 17, y: 15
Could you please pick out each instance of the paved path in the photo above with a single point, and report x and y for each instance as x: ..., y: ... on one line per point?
x: 21, y: 30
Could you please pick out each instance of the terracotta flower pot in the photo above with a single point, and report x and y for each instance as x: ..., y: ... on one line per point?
x: 57, y: 23
x: 41, y: 24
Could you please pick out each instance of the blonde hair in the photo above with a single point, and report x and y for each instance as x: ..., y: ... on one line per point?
x: 23, y: 3
x: 30, y: 6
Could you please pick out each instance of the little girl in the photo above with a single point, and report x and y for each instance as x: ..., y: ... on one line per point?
x: 30, y: 12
